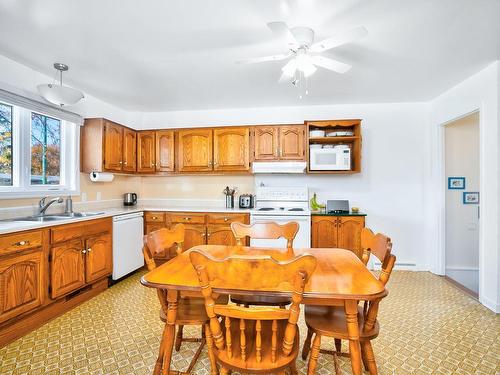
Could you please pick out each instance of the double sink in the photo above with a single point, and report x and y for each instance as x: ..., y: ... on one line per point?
x: 54, y: 217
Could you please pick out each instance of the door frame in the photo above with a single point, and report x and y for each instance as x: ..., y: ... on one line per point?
x: 440, y: 261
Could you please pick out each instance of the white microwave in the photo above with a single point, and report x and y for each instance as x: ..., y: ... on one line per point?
x: 337, y: 158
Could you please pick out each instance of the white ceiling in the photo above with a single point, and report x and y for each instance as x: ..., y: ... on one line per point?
x: 161, y: 55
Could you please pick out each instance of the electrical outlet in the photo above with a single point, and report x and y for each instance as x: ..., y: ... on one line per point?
x: 83, y: 197
x: 98, y: 196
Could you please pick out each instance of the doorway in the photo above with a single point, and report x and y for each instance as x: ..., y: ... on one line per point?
x: 461, y: 139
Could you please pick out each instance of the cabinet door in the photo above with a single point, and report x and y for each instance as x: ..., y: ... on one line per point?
x: 231, y: 149
x: 21, y: 284
x: 146, y: 151
x: 349, y: 233
x: 324, y: 231
x: 220, y: 235
x: 195, y: 150
x: 98, y: 259
x: 194, y: 236
x: 113, y: 146
x: 266, y: 142
x: 129, y: 150
x: 164, y: 151
x: 67, y: 268
x: 292, y: 142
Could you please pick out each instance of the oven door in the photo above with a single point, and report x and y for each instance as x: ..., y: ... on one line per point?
x: 302, y: 239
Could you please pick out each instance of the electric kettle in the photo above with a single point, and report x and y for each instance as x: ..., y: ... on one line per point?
x: 129, y: 199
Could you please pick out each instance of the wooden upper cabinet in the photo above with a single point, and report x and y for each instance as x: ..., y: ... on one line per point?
x: 22, y: 283
x: 195, y: 150
x: 165, y: 151
x: 113, y: 147
x: 266, y: 142
x: 231, y: 149
x: 67, y: 268
x: 292, y: 142
x: 146, y: 151
x: 129, y: 150
x: 98, y: 258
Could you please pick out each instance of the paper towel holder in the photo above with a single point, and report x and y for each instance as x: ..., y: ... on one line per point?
x: 101, y: 177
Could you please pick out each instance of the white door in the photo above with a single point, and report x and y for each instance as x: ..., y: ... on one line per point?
x: 462, y: 212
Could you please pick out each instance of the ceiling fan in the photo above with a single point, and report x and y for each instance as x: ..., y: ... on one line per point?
x: 304, y: 53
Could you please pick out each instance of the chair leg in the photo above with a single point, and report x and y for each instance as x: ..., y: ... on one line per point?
x: 338, y: 345
x: 369, y: 357
x: 313, y: 361
x: 307, y: 345
x: 336, y: 364
x: 224, y: 371
x: 210, y: 346
x: 293, y: 368
x: 178, y: 338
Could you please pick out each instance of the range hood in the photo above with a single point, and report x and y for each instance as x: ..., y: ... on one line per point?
x: 279, y: 167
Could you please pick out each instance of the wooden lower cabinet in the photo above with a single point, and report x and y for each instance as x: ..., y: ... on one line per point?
x: 195, y: 235
x: 67, y: 268
x: 98, y: 257
x: 337, y: 232
x: 22, y: 283
x: 220, y: 235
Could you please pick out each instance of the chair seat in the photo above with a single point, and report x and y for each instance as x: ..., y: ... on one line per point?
x: 260, y: 300
x: 191, y: 310
x: 251, y: 365
x: 331, y: 322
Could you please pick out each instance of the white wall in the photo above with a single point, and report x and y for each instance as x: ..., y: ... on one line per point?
x: 462, y: 220
x: 479, y: 92
x: 392, y: 186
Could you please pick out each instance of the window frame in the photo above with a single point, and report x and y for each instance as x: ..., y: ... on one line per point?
x: 21, y: 159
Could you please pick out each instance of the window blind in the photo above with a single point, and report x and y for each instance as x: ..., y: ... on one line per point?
x: 39, y: 106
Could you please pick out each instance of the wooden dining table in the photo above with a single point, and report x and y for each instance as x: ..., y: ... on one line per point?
x: 339, y: 278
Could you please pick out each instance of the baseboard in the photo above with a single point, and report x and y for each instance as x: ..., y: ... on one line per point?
x: 492, y: 305
x: 399, y: 266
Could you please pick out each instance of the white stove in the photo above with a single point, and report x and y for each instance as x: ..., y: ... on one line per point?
x: 282, y: 205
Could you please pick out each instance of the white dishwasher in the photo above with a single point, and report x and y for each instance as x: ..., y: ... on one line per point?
x: 127, y: 244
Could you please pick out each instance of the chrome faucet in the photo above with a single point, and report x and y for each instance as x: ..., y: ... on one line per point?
x: 42, y: 206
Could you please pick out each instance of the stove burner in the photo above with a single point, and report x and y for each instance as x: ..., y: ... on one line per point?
x: 266, y: 209
x: 296, y: 209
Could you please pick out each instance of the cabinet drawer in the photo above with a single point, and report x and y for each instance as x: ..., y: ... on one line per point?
x: 154, y: 217
x: 187, y: 218
x: 20, y: 241
x: 72, y: 231
x: 226, y: 218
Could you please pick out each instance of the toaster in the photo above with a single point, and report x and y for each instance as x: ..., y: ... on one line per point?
x: 246, y: 201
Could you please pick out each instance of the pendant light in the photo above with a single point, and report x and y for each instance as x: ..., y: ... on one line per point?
x: 57, y: 93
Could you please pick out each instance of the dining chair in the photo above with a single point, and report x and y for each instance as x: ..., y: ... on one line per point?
x: 267, y: 230
x: 254, y: 339
x: 331, y: 321
x: 190, y: 310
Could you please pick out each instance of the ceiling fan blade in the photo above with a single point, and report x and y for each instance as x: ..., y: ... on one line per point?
x: 330, y: 64
x: 284, y: 78
x: 281, y: 29
x: 338, y: 40
x: 255, y: 60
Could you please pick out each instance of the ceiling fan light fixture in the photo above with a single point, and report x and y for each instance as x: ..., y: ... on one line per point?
x: 305, y: 65
x: 58, y: 93
x: 290, y: 68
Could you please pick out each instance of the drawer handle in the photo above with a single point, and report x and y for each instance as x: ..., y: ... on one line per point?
x: 187, y: 218
x: 154, y: 218
x: 22, y: 243
x: 226, y: 219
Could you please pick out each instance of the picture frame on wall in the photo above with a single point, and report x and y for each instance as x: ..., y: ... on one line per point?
x: 456, y: 183
x: 471, y: 197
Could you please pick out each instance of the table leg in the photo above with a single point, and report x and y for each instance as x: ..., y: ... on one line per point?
x: 167, y: 344
x: 351, y: 312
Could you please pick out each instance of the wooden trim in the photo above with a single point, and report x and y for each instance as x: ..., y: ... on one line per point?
x: 464, y: 289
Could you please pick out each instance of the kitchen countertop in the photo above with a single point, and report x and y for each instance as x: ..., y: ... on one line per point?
x: 323, y: 213
x: 9, y: 226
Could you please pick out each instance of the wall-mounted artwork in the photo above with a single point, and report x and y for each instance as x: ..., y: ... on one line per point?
x: 456, y: 183
x: 471, y: 197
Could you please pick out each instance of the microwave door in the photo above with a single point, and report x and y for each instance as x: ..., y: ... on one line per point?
x: 324, y: 159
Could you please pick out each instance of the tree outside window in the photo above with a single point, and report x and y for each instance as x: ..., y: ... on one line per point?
x: 45, y: 150
x: 5, y: 145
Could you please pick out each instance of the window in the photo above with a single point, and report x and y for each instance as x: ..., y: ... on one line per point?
x: 38, y: 154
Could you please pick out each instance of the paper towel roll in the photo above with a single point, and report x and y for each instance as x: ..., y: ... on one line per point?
x: 101, y: 177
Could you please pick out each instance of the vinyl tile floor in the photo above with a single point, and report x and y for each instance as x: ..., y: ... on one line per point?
x: 428, y: 326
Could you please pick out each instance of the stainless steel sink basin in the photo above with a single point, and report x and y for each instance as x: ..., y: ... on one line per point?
x: 56, y: 217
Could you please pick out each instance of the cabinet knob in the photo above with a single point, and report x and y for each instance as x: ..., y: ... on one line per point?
x: 154, y: 218
x: 226, y: 219
x: 121, y: 162
x: 187, y: 218
x: 22, y: 243
x: 208, y: 234
x: 124, y: 163
x: 89, y: 249
x: 84, y: 251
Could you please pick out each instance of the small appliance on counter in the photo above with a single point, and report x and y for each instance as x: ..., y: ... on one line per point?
x: 129, y: 199
x: 337, y: 207
x: 246, y: 201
